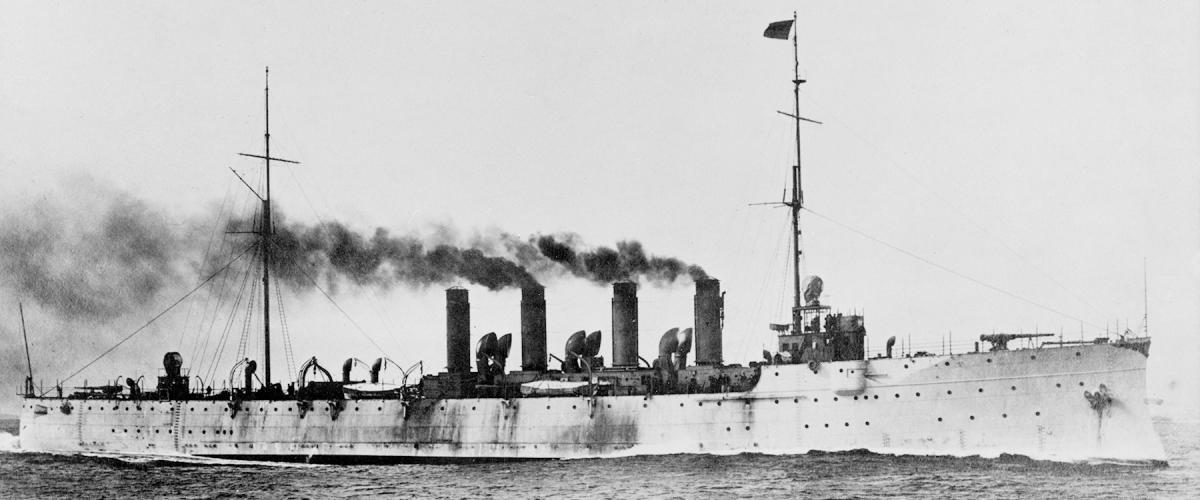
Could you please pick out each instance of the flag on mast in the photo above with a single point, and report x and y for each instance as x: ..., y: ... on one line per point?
x: 779, y: 29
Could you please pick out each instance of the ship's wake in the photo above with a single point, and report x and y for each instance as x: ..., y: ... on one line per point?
x: 12, y: 444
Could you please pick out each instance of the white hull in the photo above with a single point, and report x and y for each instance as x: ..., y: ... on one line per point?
x: 1025, y: 402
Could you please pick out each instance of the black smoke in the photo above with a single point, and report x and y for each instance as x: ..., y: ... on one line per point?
x: 91, y: 259
x: 628, y: 261
x: 329, y: 251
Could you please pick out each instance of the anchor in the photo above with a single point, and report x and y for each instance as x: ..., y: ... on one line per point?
x: 1100, y: 401
x: 335, y: 408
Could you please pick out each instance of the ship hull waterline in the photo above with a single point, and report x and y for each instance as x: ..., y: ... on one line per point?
x: 1030, y: 402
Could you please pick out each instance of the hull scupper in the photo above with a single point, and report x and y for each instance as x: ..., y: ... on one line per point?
x: 1030, y: 402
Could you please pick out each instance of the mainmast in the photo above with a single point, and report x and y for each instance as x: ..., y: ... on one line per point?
x: 266, y: 228
x: 797, y: 192
x: 780, y: 30
x: 265, y: 231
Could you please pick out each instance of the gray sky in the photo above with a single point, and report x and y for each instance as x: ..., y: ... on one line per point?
x: 1044, y: 148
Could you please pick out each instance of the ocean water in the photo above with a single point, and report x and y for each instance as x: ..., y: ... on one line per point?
x: 813, y: 475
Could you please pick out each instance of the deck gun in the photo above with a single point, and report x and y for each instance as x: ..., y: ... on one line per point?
x: 999, y: 341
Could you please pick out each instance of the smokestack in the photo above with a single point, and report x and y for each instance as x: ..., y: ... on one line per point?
x: 458, y: 331
x: 710, y: 311
x: 533, y: 328
x: 624, y: 324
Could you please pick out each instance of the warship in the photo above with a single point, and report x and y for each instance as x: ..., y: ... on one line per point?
x: 818, y: 390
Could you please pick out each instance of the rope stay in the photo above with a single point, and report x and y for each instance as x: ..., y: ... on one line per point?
x: 954, y: 272
x: 152, y: 320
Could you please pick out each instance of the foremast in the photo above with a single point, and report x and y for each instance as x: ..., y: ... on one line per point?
x: 266, y: 228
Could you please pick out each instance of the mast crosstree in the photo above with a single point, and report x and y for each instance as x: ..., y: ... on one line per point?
x: 781, y: 30
x: 266, y: 228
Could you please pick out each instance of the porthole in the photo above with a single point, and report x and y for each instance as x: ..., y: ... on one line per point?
x: 156, y: 431
x: 189, y: 431
x: 947, y: 363
x: 718, y: 403
x: 114, y: 430
x: 847, y: 424
x: 841, y: 370
x: 1014, y: 387
x: 776, y: 402
x: 727, y: 429
x: 1037, y: 413
x: 681, y: 404
x: 1003, y: 415
x: 972, y: 417
x: 701, y: 403
x: 1077, y: 354
x: 826, y: 426
x: 835, y: 398
x: 473, y: 408
x: 547, y: 407
x: 796, y: 400
x: 204, y: 432
x: 776, y: 374
x: 989, y: 360
x: 918, y: 394
x: 905, y: 367
x: 949, y: 392
x: 277, y: 409
x: 644, y: 405
x: 939, y: 419
x: 815, y: 400
x: 868, y: 424
x: 980, y: 389
x: 139, y: 431
x: 876, y: 396
x: 1058, y: 386
x: 1033, y: 357
x: 747, y: 427
x: 805, y: 426
x: 89, y: 407
x: 1081, y: 384
x: 125, y: 430
x: 572, y: 407
x: 856, y: 398
x: 206, y: 408
x: 897, y: 396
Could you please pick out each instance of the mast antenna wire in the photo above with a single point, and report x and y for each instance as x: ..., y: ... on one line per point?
x: 344, y: 313
x: 155, y: 318
x: 952, y: 271
x: 28, y: 363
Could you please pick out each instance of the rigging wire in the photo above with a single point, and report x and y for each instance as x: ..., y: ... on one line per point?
x: 372, y: 295
x: 957, y: 210
x: 952, y: 271
x: 339, y: 308
x: 219, y: 349
x: 289, y: 357
x: 200, y: 346
x: 212, y: 235
x: 152, y: 320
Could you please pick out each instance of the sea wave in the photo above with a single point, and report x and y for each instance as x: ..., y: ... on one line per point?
x: 9, y: 443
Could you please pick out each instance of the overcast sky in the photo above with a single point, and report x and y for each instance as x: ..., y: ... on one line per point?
x: 1041, y: 148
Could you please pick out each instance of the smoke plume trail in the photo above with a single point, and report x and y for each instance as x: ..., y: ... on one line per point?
x: 329, y: 250
x: 92, y: 259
